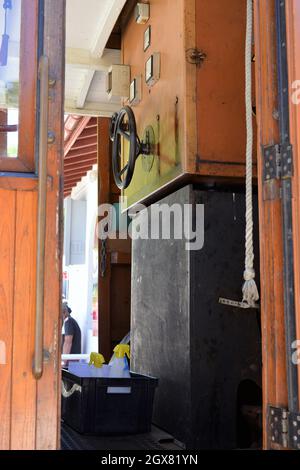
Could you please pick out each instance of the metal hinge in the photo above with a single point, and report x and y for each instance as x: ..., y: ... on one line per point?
x: 278, y: 161
x: 284, y: 428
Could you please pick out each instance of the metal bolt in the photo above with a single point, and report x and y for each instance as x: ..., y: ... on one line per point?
x: 273, y: 438
x: 295, y: 423
x: 51, y: 137
x: 295, y: 438
x: 267, y: 165
x: 276, y: 419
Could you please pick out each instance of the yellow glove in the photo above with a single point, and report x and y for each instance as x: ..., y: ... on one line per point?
x: 96, y: 360
x: 121, y: 350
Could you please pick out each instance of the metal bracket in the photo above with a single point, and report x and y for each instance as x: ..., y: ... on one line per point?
x: 284, y: 428
x: 234, y: 303
x: 195, y: 56
x: 278, y: 161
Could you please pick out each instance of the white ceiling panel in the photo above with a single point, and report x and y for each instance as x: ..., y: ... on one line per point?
x: 89, y: 24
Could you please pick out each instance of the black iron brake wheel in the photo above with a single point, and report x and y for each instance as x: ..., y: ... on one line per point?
x: 124, y: 128
x: 112, y: 126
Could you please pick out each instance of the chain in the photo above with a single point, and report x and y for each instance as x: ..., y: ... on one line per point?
x: 103, y: 258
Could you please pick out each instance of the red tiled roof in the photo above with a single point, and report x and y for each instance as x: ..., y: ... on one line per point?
x: 80, y: 149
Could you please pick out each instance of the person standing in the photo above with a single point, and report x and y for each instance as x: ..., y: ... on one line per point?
x: 71, y: 333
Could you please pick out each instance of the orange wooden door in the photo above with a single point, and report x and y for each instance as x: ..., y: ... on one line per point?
x: 33, y: 102
x: 277, y: 41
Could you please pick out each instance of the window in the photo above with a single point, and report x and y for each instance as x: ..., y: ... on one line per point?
x: 18, y: 78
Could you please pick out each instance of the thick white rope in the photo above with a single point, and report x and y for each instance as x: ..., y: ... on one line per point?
x: 250, y: 291
x: 65, y: 393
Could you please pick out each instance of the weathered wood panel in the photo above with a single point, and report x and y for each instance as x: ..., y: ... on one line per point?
x: 48, y: 404
x: 114, y: 288
x: 30, y: 410
x: 271, y: 246
x: 23, y: 406
x: 7, y: 257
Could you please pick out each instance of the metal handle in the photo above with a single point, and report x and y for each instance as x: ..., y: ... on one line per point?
x: 4, y: 128
x: 41, y: 223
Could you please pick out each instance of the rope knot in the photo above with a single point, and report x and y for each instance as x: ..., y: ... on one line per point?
x: 249, y: 274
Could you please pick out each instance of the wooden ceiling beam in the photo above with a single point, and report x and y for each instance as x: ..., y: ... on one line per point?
x: 83, y: 59
x: 73, y: 129
x: 107, y: 21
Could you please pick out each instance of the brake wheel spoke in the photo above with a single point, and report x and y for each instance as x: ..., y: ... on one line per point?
x: 124, y: 134
x: 123, y: 170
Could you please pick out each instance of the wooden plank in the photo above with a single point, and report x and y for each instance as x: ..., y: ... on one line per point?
x: 79, y: 153
x: 85, y: 89
x: 23, y: 407
x: 118, y: 257
x: 91, y: 132
x: 7, y: 256
x: 271, y: 245
x: 85, y: 143
x: 21, y: 182
x: 81, y: 160
x: 77, y: 125
x: 72, y: 169
x: 104, y: 176
x: 48, y: 404
x: 221, y: 128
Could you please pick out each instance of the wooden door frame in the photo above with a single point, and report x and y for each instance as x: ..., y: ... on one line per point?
x: 30, y: 408
x: 272, y: 257
x: 116, y: 252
